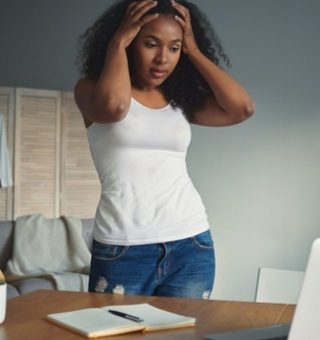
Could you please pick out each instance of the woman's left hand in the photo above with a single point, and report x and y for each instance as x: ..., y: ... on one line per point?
x: 184, y: 20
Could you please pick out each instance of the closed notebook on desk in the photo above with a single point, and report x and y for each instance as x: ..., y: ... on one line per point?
x: 96, y: 322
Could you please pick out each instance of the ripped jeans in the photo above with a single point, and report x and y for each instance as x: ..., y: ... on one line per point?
x: 183, y: 268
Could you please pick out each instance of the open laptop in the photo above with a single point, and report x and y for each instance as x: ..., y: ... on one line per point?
x: 306, y: 319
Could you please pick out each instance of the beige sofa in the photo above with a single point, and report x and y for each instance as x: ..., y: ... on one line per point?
x: 27, y: 285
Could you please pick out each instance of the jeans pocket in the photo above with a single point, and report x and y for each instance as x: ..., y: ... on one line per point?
x: 203, y: 240
x: 107, y: 252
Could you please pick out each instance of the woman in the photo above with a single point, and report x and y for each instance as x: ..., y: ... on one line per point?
x: 150, y: 69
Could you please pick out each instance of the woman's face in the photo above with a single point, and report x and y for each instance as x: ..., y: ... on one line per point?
x: 155, y: 52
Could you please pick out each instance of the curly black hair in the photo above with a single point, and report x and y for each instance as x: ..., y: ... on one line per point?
x: 185, y: 87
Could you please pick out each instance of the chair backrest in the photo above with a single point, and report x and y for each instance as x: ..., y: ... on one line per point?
x: 278, y: 285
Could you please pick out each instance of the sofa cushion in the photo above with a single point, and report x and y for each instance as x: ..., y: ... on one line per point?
x: 31, y: 284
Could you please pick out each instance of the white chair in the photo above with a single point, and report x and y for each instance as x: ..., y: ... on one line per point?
x: 278, y: 285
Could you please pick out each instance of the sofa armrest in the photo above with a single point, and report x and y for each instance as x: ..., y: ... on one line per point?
x: 6, y: 239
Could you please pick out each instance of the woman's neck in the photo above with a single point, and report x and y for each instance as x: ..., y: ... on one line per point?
x: 151, y: 98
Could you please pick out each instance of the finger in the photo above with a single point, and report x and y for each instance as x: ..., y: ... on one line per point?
x: 136, y: 5
x: 180, y: 21
x: 148, y: 18
x: 142, y: 8
x: 180, y: 9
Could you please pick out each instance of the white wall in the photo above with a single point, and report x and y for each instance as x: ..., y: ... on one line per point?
x: 259, y: 180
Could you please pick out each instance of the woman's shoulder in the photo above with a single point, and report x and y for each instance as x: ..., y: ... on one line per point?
x: 84, y: 84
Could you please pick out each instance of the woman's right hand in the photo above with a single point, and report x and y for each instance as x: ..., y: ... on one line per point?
x: 134, y: 19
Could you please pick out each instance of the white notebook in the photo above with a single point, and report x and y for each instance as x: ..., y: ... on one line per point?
x: 96, y: 322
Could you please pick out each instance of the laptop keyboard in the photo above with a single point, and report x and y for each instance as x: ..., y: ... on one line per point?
x: 275, y: 332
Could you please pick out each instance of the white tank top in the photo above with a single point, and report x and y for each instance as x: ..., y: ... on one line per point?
x: 147, y: 195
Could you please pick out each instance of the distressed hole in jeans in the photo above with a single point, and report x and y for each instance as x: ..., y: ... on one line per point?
x: 206, y: 295
x: 101, y: 285
x: 118, y: 289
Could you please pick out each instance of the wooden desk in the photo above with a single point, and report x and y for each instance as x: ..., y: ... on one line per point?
x: 25, y: 317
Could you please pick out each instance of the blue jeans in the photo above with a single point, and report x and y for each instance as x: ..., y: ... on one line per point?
x: 183, y: 268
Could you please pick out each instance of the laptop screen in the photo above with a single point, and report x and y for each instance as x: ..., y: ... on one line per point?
x: 305, y: 324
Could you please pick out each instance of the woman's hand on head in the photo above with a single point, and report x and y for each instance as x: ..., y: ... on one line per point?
x: 135, y: 17
x: 184, y: 20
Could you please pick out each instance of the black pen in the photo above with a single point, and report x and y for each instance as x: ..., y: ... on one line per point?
x: 126, y: 316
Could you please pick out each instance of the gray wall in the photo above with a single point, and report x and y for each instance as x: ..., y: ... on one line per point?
x: 259, y: 180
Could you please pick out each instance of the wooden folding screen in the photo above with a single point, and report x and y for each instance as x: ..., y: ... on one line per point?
x: 53, y: 171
